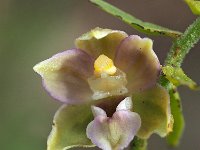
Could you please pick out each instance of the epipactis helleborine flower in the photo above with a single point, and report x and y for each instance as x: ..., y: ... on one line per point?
x: 106, y: 67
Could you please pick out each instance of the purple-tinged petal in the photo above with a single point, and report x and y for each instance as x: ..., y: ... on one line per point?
x: 100, y: 41
x: 65, y: 76
x: 98, y: 131
x: 137, y: 59
x: 116, y: 132
x: 129, y: 123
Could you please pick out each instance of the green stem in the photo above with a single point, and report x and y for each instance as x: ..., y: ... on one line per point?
x: 180, y: 48
x: 183, y: 44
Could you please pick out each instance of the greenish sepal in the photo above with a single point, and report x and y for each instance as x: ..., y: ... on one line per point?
x: 69, y: 128
x: 153, y: 106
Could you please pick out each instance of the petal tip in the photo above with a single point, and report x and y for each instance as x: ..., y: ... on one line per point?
x: 126, y: 104
x: 35, y: 68
x: 38, y: 68
x: 98, y: 33
x: 97, y: 111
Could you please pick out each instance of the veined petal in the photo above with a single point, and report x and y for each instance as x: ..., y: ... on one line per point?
x: 153, y: 106
x: 65, y: 76
x: 114, y: 133
x: 137, y: 59
x: 100, y: 41
x: 69, y: 128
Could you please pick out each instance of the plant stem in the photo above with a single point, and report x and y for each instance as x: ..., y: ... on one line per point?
x: 182, y: 45
x: 180, y: 48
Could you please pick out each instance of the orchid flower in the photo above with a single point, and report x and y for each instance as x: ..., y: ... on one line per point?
x: 113, y: 77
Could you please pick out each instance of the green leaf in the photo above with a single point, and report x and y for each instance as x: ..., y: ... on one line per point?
x: 138, y: 144
x: 69, y: 128
x: 153, y: 107
x: 176, y: 76
x: 145, y: 27
x: 182, y: 45
x: 174, y: 137
x: 194, y: 6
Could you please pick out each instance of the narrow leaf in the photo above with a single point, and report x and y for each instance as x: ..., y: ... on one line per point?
x: 194, y: 6
x: 174, y: 137
x: 139, y: 25
x: 178, y: 77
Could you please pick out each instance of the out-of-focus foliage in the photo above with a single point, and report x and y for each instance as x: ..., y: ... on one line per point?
x: 194, y: 6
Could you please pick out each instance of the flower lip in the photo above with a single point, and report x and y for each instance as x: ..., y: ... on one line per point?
x: 110, y: 104
x: 114, y: 132
x: 108, y: 85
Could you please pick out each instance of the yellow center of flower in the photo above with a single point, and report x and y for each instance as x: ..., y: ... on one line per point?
x: 103, y: 64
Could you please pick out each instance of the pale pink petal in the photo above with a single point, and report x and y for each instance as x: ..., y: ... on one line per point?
x: 135, y: 56
x: 116, y: 132
x: 65, y: 76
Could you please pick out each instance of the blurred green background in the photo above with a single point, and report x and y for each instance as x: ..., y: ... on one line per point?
x: 33, y: 30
